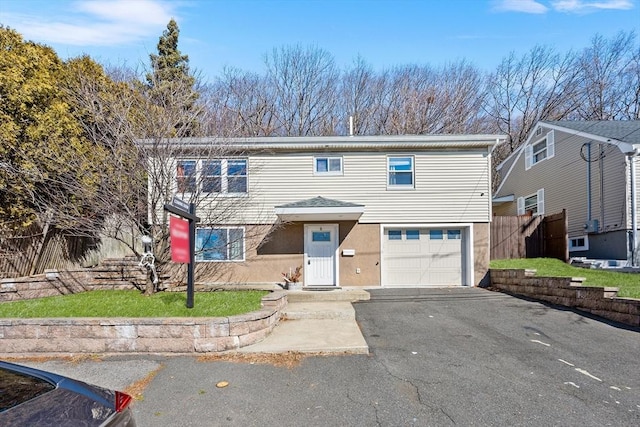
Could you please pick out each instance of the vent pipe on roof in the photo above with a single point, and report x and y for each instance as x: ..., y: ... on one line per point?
x: 350, y: 125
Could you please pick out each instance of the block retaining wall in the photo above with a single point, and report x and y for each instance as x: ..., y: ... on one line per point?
x: 140, y: 335
x: 568, y: 292
x: 110, y: 274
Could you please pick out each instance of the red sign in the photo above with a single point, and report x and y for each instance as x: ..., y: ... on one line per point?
x: 179, y: 232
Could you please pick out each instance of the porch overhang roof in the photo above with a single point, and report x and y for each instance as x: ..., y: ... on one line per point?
x: 319, y: 209
x: 503, y: 199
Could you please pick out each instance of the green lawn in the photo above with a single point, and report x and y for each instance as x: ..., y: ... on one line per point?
x: 627, y: 283
x: 134, y: 304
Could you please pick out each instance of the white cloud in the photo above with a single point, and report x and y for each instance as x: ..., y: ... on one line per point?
x: 525, y: 6
x: 97, y: 22
x: 584, y: 6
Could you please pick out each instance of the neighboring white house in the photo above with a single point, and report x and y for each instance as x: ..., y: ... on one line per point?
x: 589, y: 168
x: 352, y: 210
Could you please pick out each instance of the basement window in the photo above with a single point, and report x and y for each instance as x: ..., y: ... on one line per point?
x: 580, y: 243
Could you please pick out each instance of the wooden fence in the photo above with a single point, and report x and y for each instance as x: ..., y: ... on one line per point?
x: 32, y: 251
x: 530, y: 237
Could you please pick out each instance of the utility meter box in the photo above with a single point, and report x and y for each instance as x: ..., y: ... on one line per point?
x: 592, y: 226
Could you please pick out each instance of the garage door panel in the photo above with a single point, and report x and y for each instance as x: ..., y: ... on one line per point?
x: 431, y: 257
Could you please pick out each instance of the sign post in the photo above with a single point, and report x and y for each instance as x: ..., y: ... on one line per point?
x: 183, y: 235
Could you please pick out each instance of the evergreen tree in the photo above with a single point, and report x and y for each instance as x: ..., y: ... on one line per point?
x: 170, y: 84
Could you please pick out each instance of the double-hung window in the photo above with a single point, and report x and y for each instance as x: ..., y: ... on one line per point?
x: 539, y: 150
x: 222, y: 176
x: 186, y: 176
x: 327, y: 165
x: 532, y: 204
x: 220, y: 244
x: 400, y: 171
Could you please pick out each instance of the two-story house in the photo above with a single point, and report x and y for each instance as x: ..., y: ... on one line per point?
x: 351, y: 210
x: 588, y: 168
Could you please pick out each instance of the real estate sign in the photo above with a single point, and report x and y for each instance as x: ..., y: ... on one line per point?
x: 180, y: 245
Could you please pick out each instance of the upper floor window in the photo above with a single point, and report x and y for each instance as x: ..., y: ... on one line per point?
x: 400, y: 172
x: 212, y: 176
x: 186, y: 176
x: 539, y: 150
x: 328, y: 165
x: 532, y: 204
x: 219, y: 244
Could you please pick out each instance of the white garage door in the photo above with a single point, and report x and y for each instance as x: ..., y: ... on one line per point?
x: 422, y: 256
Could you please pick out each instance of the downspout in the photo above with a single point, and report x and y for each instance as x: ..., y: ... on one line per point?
x: 601, y: 165
x: 634, y: 209
x: 588, y: 182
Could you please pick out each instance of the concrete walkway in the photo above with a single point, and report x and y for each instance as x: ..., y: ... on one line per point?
x: 316, y: 322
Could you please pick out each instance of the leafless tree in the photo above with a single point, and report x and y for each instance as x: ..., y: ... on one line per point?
x: 304, y: 85
x: 541, y: 85
x: 358, y: 87
x: 241, y: 105
x: 609, y: 79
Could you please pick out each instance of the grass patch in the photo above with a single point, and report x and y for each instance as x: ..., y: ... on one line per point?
x: 134, y: 304
x: 627, y: 283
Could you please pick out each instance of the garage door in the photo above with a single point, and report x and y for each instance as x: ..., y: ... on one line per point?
x: 422, y: 256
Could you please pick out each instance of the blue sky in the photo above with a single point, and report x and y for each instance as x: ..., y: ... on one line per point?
x: 385, y: 33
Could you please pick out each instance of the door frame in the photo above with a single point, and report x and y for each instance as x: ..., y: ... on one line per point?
x: 335, y: 229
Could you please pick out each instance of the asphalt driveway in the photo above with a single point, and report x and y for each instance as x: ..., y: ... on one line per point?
x: 438, y: 357
x: 485, y: 358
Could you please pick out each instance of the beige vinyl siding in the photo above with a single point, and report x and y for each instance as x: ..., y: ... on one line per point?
x: 449, y: 187
x: 564, y: 179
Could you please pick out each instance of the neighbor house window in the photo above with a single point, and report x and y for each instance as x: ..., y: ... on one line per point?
x: 400, y: 171
x: 539, y: 150
x: 212, y: 176
x: 532, y: 204
x: 579, y: 243
x: 328, y: 165
x: 220, y: 244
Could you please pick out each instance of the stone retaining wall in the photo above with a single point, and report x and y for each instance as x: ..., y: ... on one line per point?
x: 110, y: 274
x: 568, y: 292
x: 140, y: 335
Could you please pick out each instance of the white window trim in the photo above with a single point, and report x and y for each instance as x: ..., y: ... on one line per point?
x: 539, y: 203
x: 224, y: 175
x: 585, y: 247
x: 413, y: 173
x: 328, y: 173
x: 227, y: 228
x: 529, y: 155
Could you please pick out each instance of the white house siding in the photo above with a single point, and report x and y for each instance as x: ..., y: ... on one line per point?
x: 449, y: 187
x: 564, y: 179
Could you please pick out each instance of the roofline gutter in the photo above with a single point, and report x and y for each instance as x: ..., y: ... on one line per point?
x: 330, y: 142
x: 624, y: 147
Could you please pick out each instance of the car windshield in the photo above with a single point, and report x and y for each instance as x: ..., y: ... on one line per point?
x: 16, y: 388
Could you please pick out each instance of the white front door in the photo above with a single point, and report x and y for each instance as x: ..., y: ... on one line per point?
x: 320, y: 247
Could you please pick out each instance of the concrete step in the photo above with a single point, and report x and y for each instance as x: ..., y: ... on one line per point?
x: 350, y: 295
x: 340, y: 310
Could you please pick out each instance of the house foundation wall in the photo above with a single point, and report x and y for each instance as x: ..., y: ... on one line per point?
x: 481, y: 253
x: 273, y: 251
